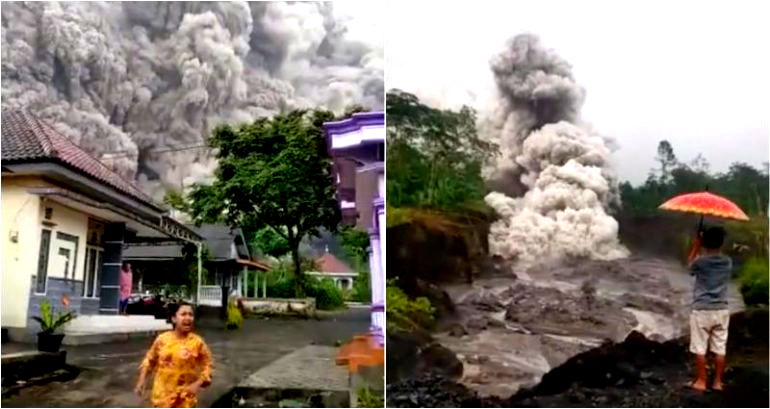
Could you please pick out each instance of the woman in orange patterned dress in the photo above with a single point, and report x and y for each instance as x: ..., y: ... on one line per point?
x: 181, y: 362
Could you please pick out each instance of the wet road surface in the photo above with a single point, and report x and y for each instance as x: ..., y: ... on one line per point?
x: 109, y: 371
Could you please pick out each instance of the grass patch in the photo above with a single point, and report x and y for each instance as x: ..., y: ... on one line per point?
x: 369, y: 399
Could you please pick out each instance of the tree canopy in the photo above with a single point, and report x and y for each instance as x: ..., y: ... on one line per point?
x: 744, y: 184
x: 434, y: 155
x: 273, y: 173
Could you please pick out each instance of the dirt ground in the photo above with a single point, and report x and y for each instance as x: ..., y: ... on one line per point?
x: 109, y: 371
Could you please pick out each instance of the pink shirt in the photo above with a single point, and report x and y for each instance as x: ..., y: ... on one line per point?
x: 126, y: 279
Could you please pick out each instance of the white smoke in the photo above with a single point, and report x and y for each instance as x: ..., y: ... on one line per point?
x: 557, y: 162
x: 135, y: 79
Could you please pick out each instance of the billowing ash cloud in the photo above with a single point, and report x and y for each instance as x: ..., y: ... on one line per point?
x: 557, y: 163
x: 139, y: 78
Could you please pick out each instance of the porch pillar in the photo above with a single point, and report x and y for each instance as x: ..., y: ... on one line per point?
x: 200, y: 272
x: 377, y: 288
x: 109, y: 277
x: 245, y: 282
x: 264, y: 284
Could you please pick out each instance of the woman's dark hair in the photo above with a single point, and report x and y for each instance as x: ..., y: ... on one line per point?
x: 174, y: 308
x: 714, y: 237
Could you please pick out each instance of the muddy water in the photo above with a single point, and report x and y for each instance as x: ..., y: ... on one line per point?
x: 513, y: 329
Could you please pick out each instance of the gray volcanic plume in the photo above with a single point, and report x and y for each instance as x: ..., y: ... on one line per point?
x: 559, y: 164
x: 138, y: 79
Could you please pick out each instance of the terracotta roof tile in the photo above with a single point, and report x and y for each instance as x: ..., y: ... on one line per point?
x: 26, y: 138
x: 328, y: 263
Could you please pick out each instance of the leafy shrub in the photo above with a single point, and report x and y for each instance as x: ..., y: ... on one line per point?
x: 754, y: 281
x: 234, y: 316
x: 403, y: 313
x: 280, y: 282
x: 281, y: 288
x: 369, y: 399
x: 362, y: 289
x: 327, y: 295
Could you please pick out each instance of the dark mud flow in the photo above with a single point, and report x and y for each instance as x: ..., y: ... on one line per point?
x: 637, y: 372
x: 509, y: 330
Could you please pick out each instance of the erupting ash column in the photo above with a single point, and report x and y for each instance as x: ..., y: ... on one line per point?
x: 553, y: 182
x: 141, y: 85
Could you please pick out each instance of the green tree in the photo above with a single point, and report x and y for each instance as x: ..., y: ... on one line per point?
x: 744, y: 184
x: 434, y: 156
x: 356, y: 245
x: 273, y: 173
x: 271, y: 243
x: 667, y: 160
x: 177, y: 200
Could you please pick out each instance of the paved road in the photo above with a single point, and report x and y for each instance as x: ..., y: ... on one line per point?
x: 110, y: 370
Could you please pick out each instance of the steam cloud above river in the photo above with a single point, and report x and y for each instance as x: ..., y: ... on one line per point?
x: 139, y: 77
x: 557, y: 162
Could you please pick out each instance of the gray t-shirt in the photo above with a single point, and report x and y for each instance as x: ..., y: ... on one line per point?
x: 712, y: 275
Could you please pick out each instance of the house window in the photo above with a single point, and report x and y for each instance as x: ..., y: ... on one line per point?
x: 42, y: 262
x: 91, y: 272
x: 66, y: 254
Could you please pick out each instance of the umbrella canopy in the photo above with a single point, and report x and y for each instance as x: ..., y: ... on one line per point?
x: 705, y: 204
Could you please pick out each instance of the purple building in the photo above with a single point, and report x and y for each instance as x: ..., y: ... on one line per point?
x: 357, y: 145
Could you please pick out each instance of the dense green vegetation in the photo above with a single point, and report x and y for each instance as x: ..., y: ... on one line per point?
x: 355, y: 242
x: 434, y: 161
x: 281, y: 284
x: 753, y: 278
x: 327, y: 295
x: 273, y: 173
x: 369, y: 399
x: 404, y: 313
x: 743, y: 184
x: 434, y: 156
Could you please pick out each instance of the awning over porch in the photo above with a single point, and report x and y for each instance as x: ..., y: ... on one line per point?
x: 143, y: 229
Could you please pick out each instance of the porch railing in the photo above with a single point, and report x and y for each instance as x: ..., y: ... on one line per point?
x: 211, y: 295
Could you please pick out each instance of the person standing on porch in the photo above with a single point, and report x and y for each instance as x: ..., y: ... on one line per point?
x: 126, y: 282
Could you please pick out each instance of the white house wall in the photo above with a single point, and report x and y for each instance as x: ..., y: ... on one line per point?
x: 21, y: 242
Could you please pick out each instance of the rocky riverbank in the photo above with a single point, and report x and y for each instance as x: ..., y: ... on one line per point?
x: 637, y: 372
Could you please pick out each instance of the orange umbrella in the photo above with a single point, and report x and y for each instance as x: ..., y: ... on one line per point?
x: 704, y: 204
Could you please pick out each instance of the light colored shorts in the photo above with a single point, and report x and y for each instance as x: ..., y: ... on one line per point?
x: 708, y: 331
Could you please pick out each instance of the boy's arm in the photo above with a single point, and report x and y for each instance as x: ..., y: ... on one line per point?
x: 693, y: 266
x: 694, y: 251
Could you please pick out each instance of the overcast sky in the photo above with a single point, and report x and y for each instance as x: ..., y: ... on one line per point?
x: 696, y: 74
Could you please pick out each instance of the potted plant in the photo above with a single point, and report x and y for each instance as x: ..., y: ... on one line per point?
x: 47, y: 339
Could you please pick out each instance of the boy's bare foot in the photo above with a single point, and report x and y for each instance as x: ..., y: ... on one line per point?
x: 698, y: 385
x: 717, y: 386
